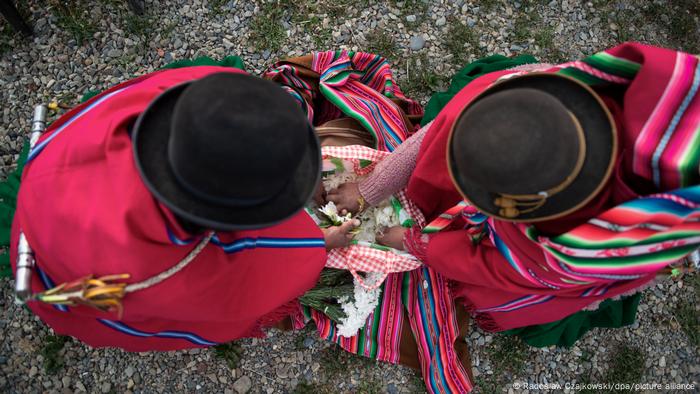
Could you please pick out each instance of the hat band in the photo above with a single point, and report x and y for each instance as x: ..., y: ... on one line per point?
x: 232, y: 202
x: 512, y: 205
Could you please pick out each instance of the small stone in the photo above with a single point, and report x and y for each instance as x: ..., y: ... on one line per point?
x: 411, y: 18
x: 308, y: 342
x: 80, y: 386
x: 417, y: 43
x: 315, y: 367
x: 106, y: 387
x: 129, y: 371
x: 114, y: 53
x: 662, y: 362
x: 243, y: 385
x: 66, y: 382
x: 441, y: 21
x: 177, y: 44
x: 391, y: 388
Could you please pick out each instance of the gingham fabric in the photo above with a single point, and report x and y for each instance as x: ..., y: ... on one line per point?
x: 364, y: 256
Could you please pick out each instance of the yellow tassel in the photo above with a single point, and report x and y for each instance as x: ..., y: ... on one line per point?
x: 102, y: 293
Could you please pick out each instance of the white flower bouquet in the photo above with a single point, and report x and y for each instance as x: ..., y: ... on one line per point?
x: 350, y: 164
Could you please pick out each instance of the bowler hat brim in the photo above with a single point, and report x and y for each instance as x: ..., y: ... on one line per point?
x: 150, y: 142
x: 600, y: 139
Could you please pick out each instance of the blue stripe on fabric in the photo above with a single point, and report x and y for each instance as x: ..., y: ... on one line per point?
x: 691, y: 193
x: 426, y: 329
x: 568, y: 270
x: 123, y: 328
x: 672, y: 127
x: 531, y: 304
x: 436, y: 330
x: 40, y: 147
x: 374, y: 109
x: 523, y: 298
x: 175, y: 240
x: 48, y: 284
x: 268, y: 242
x: 657, y: 205
x: 503, y: 249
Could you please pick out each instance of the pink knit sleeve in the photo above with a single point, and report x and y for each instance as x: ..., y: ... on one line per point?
x: 392, y: 173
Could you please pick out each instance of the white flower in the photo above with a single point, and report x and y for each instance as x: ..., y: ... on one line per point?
x: 357, y: 312
x: 334, y: 180
x: 331, y: 212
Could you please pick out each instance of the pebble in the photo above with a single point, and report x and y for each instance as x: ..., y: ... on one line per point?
x: 411, y: 18
x: 417, y: 43
x: 441, y: 21
x: 243, y: 385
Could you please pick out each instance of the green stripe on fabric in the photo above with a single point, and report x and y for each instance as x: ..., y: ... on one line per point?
x: 613, y: 65
x: 581, y: 76
x: 667, y: 255
x: 405, y: 284
x: 361, y: 334
x: 338, y: 102
x: 689, y: 161
x: 580, y: 243
x: 375, y: 324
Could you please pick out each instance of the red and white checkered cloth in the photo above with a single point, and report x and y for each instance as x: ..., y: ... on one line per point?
x: 363, y: 257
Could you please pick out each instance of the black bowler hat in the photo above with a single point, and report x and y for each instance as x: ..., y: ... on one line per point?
x: 228, y: 152
x: 533, y: 147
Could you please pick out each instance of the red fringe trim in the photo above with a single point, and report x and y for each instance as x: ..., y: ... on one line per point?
x: 289, y: 309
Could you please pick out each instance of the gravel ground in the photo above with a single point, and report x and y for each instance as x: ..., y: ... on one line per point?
x: 73, y: 52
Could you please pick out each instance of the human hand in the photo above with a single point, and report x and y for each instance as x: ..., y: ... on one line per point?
x: 339, y: 236
x: 320, y: 195
x: 393, y: 237
x: 347, y: 198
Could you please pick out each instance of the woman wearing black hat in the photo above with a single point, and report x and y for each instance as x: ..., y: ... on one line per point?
x: 170, y: 208
x: 533, y: 184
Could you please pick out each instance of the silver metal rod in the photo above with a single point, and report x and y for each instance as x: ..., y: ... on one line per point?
x: 25, y: 254
x: 38, y: 124
x: 25, y: 267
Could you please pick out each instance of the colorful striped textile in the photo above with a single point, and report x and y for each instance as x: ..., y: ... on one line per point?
x: 423, y: 297
x: 431, y: 314
x: 637, y: 237
x: 360, y: 85
x: 631, y: 240
x: 667, y: 149
x: 380, y: 339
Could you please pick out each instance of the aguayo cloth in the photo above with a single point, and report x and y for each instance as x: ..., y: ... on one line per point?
x: 349, y: 96
x: 415, y: 324
x: 357, y: 85
x: 517, y: 275
x: 85, y: 211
